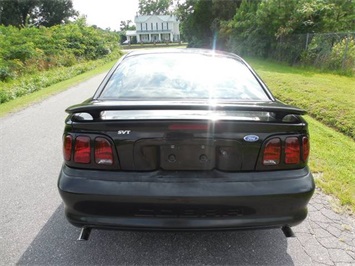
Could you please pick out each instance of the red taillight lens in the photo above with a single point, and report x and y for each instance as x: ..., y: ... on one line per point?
x: 103, y: 152
x: 292, y: 150
x: 272, y: 152
x: 67, y: 146
x: 82, y: 149
x: 306, y: 148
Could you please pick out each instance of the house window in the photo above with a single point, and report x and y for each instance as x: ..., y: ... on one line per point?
x: 157, y: 25
x: 151, y: 26
x: 167, y: 25
x: 162, y: 26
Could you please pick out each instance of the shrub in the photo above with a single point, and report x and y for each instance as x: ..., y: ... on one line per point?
x: 29, y: 50
x: 331, y: 52
x: 5, y: 73
x: 343, y: 54
x: 34, y: 82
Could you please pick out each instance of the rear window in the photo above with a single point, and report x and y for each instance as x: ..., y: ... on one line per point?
x: 183, y: 76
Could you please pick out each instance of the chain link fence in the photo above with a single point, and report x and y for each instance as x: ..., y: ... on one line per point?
x: 333, y: 51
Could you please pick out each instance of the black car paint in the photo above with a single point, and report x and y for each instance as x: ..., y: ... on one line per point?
x: 162, y: 200
x: 144, y: 190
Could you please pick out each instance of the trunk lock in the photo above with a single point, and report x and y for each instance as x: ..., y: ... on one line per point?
x: 172, y: 158
x: 203, y: 158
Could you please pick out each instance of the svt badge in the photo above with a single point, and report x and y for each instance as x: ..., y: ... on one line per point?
x: 123, y: 132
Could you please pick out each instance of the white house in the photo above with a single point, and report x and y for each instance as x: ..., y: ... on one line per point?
x: 150, y: 29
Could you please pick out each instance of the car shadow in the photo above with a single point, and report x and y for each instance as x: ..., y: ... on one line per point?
x: 56, y: 244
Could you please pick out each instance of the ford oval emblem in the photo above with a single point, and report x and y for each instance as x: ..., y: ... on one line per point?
x: 251, y: 138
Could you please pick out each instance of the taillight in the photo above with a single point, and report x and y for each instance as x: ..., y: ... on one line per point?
x: 67, y: 146
x: 103, y: 152
x: 272, y: 152
x: 305, y: 148
x: 292, y: 150
x: 82, y: 149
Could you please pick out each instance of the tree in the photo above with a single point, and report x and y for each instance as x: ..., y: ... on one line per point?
x: 196, y: 27
x: 201, y: 19
x: 339, y: 16
x: 16, y: 12
x: 54, y: 12
x: 225, y: 9
x: 279, y: 29
x: 20, y: 13
x: 125, y: 25
x: 154, y: 7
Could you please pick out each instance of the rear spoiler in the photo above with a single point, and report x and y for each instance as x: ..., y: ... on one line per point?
x: 94, y: 108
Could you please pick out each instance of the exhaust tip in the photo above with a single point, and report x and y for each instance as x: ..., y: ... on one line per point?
x: 84, y: 234
x: 288, y: 231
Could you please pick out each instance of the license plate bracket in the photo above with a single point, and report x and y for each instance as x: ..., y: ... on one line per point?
x: 184, y: 156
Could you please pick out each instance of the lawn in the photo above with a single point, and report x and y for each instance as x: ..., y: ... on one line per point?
x: 332, y: 161
x: 330, y: 99
x: 327, y: 97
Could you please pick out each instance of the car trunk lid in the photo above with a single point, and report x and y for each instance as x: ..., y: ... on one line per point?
x: 186, y: 136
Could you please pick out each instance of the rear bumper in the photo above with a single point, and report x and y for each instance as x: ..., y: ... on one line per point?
x: 185, y: 200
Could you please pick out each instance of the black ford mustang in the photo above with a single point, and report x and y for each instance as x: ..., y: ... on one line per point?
x: 184, y: 140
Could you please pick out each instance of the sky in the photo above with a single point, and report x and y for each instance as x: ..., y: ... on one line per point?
x: 107, y: 13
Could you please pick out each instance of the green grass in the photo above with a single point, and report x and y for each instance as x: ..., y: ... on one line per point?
x: 36, y: 96
x: 332, y: 161
x: 329, y: 98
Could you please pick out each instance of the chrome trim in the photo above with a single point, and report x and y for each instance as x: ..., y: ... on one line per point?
x: 185, y: 115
